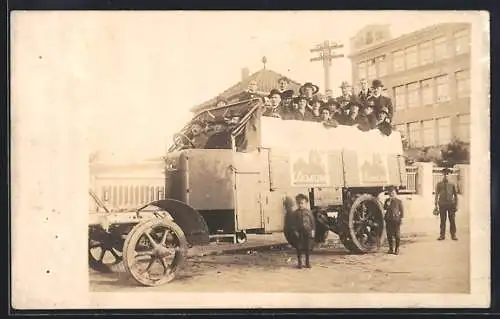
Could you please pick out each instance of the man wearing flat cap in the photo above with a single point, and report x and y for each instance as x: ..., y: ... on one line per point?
x: 302, y: 113
x: 221, y: 136
x: 378, y: 101
x: 446, y: 200
x: 286, y: 104
x: 308, y: 90
x: 197, y: 134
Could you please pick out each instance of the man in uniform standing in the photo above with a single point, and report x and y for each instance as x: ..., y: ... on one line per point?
x: 378, y: 101
x: 446, y: 200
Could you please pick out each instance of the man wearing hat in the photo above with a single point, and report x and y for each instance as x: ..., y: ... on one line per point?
x: 367, y: 119
x: 221, y: 101
x: 274, y: 109
x: 302, y: 113
x: 221, y: 136
x: 197, y: 134
x: 394, y: 213
x: 286, y: 103
x: 283, y: 84
x: 383, y: 122
x: 378, y: 101
x: 316, y: 105
x: 351, y: 116
x: 344, y: 101
x: 446, y: 200
x: 308, y: 90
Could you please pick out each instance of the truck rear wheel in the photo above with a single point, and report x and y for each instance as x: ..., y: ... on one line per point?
x: 363, y: 227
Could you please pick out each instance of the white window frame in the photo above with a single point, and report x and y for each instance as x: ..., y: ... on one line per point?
x: 411, y: 51
x: 413, y: 92
x: 442, y: 81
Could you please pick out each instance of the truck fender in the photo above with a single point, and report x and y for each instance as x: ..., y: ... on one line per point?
x: 189, y: 220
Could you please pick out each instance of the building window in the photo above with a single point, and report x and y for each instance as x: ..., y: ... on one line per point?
x: 400, y: 96
x: 379, y: 36
x: 463, y: 83
x: 382, y: 65
x: 414, y: 133
x: 411, y: 57
x: 440, y: 49
x: 398, y: 60
x: 462, y: 41
x: 427, y: 92
x: 428, y: 133
x: 362, y: 70
x: 372, y: 69
x: 414, y: 94
x: 444, y: 130
x: 442, y: 88
x: 426, y: 54
x: 464, y: 127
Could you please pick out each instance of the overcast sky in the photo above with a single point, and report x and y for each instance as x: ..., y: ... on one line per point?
x: 142, y: 71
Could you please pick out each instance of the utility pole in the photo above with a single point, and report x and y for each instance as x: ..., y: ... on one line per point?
x: 326, y: 55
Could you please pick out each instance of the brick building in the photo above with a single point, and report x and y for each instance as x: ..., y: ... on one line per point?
x: 426, y: 73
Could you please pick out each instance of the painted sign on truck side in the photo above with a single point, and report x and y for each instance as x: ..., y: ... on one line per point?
x: 309, y: 168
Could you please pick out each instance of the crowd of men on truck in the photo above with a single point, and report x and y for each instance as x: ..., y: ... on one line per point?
x: 367, y: 109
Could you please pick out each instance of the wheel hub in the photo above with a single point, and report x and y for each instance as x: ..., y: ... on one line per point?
x: 161, y: 252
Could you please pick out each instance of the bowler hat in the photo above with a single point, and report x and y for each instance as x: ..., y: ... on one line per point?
x: 298, y: 98
x: 288, y: 94
x: 391, y: 188
x: 446, y: 170
x: 310, y: 85
x: 345, y: 84
x: 273, y: 92
x: 377, y: 83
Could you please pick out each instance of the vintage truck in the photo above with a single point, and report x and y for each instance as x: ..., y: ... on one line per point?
x: 248, y: 185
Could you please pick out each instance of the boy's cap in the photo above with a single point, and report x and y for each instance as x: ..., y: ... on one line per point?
x: 301, y: 196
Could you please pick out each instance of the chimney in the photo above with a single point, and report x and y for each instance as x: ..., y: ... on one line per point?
x: 245, y: 73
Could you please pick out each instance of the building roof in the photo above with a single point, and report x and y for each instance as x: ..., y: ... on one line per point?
x: 417, y: 33
x: 266, y: 81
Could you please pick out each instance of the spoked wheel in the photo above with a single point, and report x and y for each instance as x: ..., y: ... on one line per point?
x: 364, y: 225
x: 105, y: 250
x: 153, y: 251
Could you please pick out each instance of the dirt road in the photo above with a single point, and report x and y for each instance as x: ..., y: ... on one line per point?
x: 423, y: 266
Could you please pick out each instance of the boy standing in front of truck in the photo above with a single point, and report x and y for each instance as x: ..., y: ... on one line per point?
x: 301, y: 223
